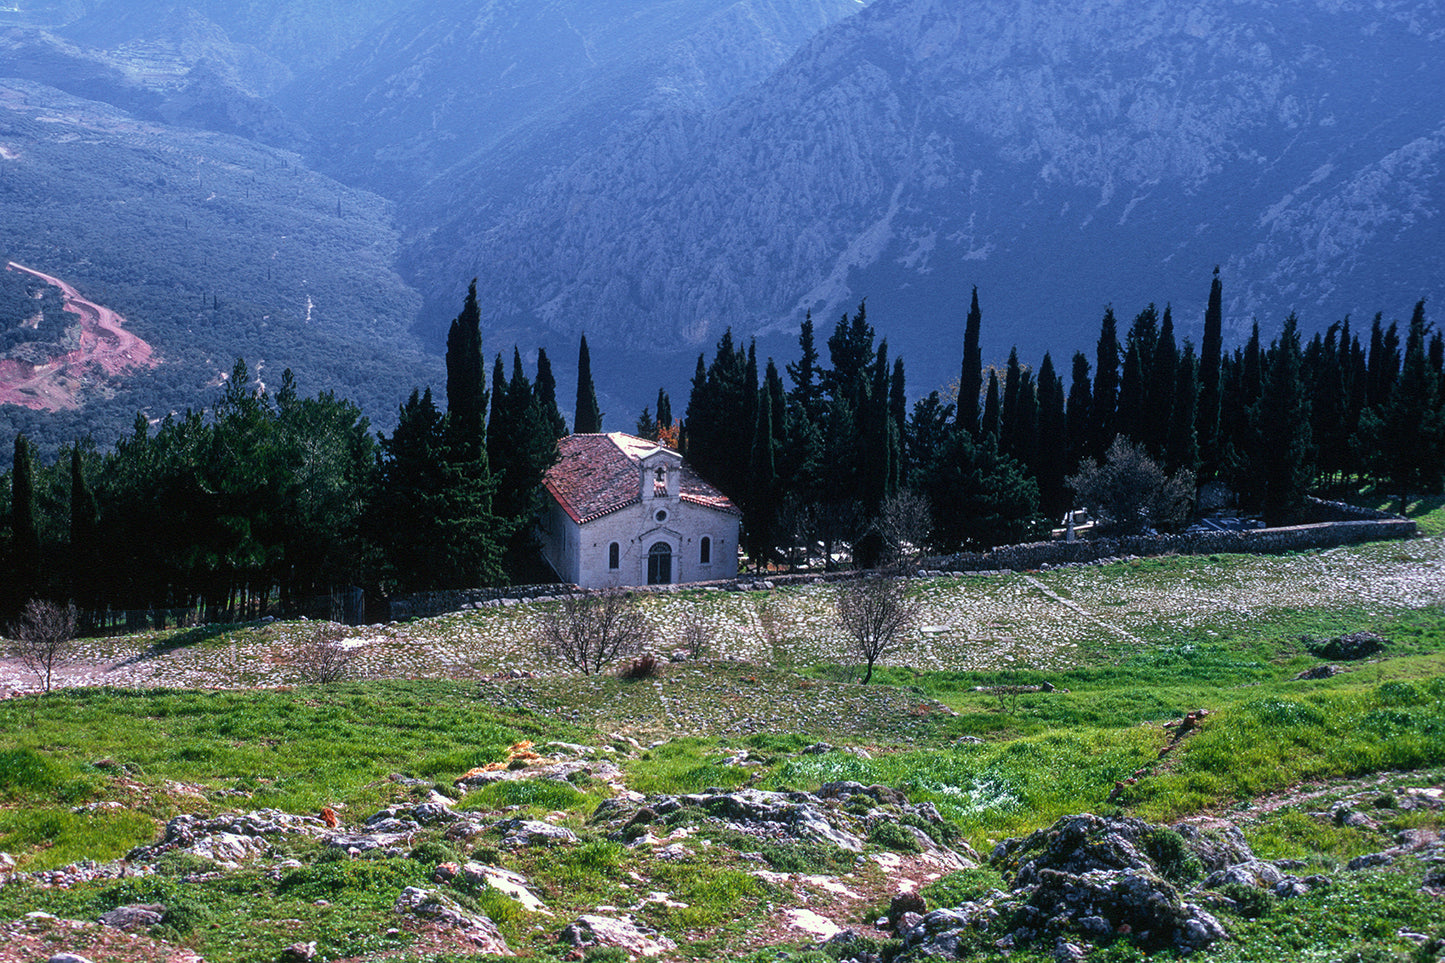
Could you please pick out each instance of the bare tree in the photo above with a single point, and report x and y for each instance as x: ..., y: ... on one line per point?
x: 44, y: 639
x: 696, y: 632
x: 875, y: 611
x: 592, y: 630
x: 904, y: 523
x: 322, y: 658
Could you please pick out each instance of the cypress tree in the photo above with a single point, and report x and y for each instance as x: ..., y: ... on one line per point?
x: 466, y: 380
x: 991, y: 423
x: 1162, y: 387
x: 1009, y: 441
x: 547, y: 396
x: 761, y: 505
x: 1182, y: 448
x: 806, y: 395
x: 587, y: 418
x: 1282, y: 424
x: 1080, y: 413
x: 1210, y: 353
x: 970, y: 381
x: 664, y: 409
x: 499, y: 431
x: 1131, y: 420
x: 84, y: 535
x: 1052, y: 457
x: 1410, y: 431
x: 1106, y: 387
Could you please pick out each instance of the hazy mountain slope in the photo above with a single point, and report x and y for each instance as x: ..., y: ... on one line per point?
x: 1060, y: 155
x: 211, y: 247
x: 513, y: 87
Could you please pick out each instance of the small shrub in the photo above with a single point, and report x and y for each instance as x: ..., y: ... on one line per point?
x: 1250, y: 902
x: 891, y: 835
x: 606, y: 954
x: 322, y: 659
x: 961, y: 887
x: 1173, y: 857
x: 642, y: 667
x: 434, y: 851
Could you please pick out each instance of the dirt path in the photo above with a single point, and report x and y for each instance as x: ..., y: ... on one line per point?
x: 106, y: 349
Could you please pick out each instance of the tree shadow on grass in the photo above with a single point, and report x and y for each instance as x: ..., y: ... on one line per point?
x: 180, y: 640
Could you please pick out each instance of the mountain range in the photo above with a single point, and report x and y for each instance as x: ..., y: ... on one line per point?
x: 652, y: 172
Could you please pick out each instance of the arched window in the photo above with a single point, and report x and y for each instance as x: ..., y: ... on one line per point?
x: 614, y: 556
x: 704, y: 554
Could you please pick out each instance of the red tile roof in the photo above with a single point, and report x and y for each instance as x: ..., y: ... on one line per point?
x: 596, y: 475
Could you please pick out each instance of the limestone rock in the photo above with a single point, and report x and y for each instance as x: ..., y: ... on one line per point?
x: 442, y: 909
x: 593, y: 930
x: 138, y: 916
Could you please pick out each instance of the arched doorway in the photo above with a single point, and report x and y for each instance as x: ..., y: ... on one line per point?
x: 659, y: 564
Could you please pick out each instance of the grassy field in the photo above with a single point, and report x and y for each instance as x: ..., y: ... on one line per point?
x: 89, y: 773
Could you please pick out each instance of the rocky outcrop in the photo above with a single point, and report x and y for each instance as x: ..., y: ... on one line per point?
x: 227, y: 840
x: 441, y: 909
x: 592, y: 930
x: 845, y: 815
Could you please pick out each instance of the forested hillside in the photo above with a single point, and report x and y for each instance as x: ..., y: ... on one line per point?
x: 211, y: 247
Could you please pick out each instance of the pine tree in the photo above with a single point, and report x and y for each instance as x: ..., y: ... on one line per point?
x: 1106, y: 387
x: 498, y: 430
x: 1210, y: 353
x: 587, y: 418
x: 466, y: 381
x: 646, y: 425
x: 898, y: 411
x: 970, y: 381
x: 547, y: 395
x: 979, y: 496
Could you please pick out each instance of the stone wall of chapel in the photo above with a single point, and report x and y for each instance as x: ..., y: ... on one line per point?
x: 636, y: 529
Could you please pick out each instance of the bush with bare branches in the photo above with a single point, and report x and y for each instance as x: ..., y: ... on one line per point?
x: 696, y: 632
x: 322, y: 658
x: 44, y: 639
x: 904, y: 523
x: 591, y: 630
x: 874, y: 612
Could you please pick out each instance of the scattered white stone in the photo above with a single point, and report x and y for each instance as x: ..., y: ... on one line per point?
x: 810, y: 922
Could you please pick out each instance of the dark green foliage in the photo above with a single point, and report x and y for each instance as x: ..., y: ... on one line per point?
x: 1106, y: 386
x: 961, y: 887
x: 970, y: 382
x: 1051, y: 452
x: 466, y: 381
x: 587, y: 416
x: 1080, y: 413
x: 888, y: 834
x: 1251, y: 902
x: 434, y: 517
x: 979, y: 496
x: 1173, y: 858
x: 25, y: 565
x: 1211, y: 350
x: 1130, y: 493
x: 1410, y: 425
x: 1282, y: 424
x: 547, y: 395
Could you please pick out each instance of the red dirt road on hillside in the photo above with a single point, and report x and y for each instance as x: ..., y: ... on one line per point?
x: 105, y: 350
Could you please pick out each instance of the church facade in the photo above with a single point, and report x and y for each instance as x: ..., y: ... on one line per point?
x: 622, y: 511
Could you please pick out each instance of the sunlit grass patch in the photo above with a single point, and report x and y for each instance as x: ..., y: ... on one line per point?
x: 57, y: 837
